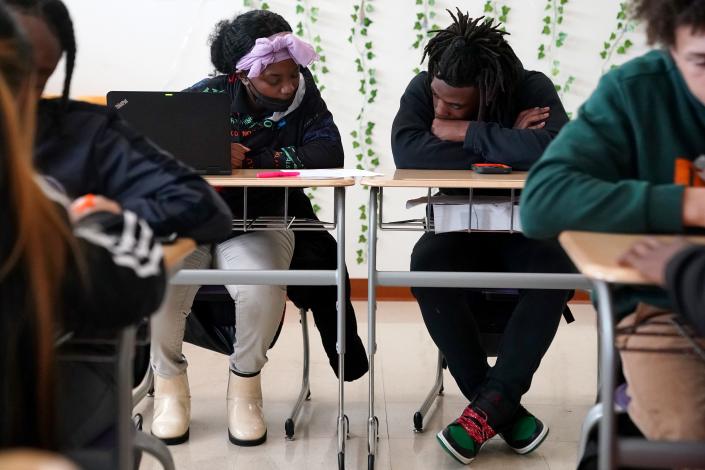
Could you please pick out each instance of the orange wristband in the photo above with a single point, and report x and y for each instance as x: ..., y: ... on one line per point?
x: 87, y: 202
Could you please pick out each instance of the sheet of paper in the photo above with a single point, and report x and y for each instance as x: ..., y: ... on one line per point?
x: 336, y: 173
x: 485, y: 216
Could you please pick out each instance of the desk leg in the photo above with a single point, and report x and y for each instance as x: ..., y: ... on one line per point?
x: 607, y: 363
x: 125, y: 428
x: 340, y: 231
x: 372, y: 421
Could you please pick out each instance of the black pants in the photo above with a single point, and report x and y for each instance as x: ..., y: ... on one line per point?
x: 451, y: 321
x: 318, y: 250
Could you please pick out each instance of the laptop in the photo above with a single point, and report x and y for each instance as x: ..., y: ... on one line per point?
x: 193, y: 127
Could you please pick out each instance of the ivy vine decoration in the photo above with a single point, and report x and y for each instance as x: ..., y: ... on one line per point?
x: 493, y: 9
x: 423, y: 23
x: 552, y: 23
x: 307, y: 18
x: 363, y: 136
x: 618, y: 42
x: 255, y: 5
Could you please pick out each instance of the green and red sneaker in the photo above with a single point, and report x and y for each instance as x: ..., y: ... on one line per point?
x: 525, y: 433
x: 463, y: 438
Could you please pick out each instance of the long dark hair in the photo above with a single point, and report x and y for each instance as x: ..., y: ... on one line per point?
x: 35, y: 243
x: 474, y: 52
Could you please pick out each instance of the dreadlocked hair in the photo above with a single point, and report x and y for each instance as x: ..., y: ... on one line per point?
x: 663, y: 17
x: 57, y: 17
x: 232, y: 39
x: 474, y: 53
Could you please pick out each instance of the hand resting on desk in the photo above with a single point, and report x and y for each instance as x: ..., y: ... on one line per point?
x: 650, y: 257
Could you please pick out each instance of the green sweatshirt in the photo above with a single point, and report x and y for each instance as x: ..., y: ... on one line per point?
x: 611, y: 169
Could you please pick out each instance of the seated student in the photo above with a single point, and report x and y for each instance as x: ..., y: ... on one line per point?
x: 612, y: 170
x: 55, y: 275
x: 88, y: 149
x: 478, y: 104
x: 279, y: 120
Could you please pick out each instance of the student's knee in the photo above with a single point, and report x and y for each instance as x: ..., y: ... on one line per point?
x: 548, y: 256
x: 657, y: 350
x: 430, y: 254
x: 263, y: 303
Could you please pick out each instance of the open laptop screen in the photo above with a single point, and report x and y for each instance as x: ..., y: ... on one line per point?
x: 193, y: 127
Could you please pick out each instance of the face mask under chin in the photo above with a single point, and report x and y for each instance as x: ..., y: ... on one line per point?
x: 269, y: 104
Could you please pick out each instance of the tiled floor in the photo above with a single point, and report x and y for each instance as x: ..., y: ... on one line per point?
x: 561, y: 393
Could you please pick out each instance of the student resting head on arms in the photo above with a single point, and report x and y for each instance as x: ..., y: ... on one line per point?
x: 476, y: 103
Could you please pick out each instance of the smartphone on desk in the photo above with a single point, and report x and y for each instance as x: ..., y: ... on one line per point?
x: 491, y: 168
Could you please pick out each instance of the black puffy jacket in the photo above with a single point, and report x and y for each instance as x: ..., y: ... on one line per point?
x: 89, y: 149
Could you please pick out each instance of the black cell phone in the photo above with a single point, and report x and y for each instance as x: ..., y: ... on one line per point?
x: 491, y: 168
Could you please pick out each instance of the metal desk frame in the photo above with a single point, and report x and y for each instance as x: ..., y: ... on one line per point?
x: 435, y: 279
x: 290, y: 277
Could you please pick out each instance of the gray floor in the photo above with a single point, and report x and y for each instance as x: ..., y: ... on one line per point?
x: 561, y: 394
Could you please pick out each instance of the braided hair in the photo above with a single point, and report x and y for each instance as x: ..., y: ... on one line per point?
x: 55, y: 14
x: 474, y: 53
x: 231, y: 40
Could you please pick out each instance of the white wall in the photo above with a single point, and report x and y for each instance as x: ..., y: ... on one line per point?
x: 162, y: 45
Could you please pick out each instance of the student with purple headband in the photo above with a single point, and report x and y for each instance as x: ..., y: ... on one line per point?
x: 279, y: 121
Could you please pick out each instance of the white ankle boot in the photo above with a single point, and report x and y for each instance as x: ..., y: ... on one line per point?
x: 246, y: 426
x: 172, y: 409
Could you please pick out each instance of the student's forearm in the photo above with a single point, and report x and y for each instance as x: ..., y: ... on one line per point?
x: 519, y: 148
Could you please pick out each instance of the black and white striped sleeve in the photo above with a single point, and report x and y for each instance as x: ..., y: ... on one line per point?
x: 119, y: 271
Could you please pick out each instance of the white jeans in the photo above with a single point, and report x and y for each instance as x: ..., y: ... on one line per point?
x: 258, y: 309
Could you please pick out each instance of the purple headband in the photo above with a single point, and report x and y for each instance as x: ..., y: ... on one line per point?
x: 274, y: 49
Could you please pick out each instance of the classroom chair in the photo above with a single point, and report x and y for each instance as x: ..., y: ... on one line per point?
x: 117, y: 350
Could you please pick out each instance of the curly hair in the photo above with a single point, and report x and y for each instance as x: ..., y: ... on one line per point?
x: 662, y: 17
x: 474, y: 52
x: 232, y: 39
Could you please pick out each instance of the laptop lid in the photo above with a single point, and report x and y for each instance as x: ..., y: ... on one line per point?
x: 193, y: 127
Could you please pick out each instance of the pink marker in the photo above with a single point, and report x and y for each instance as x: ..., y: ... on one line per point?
x: 277, y: 174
